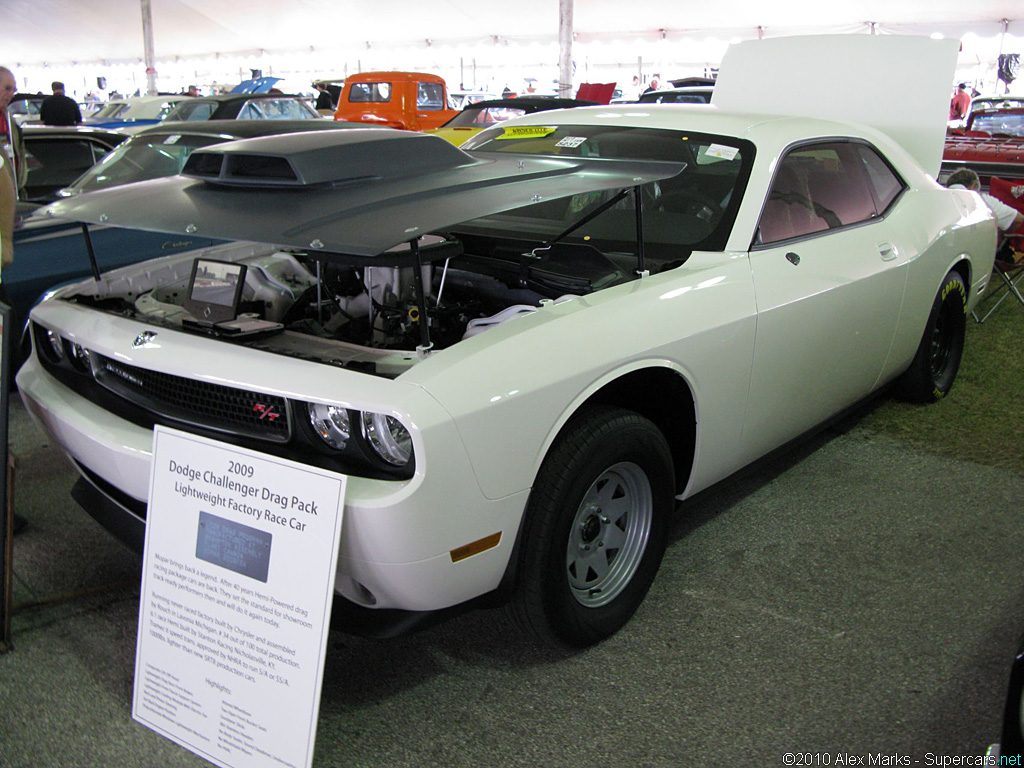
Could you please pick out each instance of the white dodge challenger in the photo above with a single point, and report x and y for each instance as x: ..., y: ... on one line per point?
x: 520, y: 352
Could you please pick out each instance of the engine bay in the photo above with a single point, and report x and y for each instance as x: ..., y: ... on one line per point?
x: 339, y: 312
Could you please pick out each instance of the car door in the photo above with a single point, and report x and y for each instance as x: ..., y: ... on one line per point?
x: 829, y: 276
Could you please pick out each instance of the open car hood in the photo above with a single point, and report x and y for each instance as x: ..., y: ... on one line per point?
x: 898, y: 84
x: 357, y: 192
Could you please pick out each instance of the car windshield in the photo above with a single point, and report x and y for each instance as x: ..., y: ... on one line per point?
x: 472, y: 117
x: 113, y: 109
x: 675, y: 97
x: 693, y: 209
x: 194, y: 109
x: 1007, y: 123
x: 24, y: 107
x: 1007, y: 102
x: 284, y: 108
x: 141, y: 158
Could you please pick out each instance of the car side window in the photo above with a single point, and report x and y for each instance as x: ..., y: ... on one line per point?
x: 197, y: 110
x: 165, y: 109
x: 429, y: 96
x: 821, y: 187
x: 375, y: 92
x: 885, y: 184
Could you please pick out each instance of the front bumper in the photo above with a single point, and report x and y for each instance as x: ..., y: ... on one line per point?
x: 397, y: 535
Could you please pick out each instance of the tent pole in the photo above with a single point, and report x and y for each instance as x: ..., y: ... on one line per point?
x: 147, y: 42
x: 565, y: 8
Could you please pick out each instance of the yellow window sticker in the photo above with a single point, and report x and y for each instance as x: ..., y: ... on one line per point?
x: 526, y: 131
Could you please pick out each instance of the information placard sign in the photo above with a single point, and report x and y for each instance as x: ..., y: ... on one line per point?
x: 238, y: 579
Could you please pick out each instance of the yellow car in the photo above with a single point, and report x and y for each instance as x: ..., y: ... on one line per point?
x: 475, y: 117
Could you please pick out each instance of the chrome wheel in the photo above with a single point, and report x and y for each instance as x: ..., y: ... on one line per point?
x: 609, y: 534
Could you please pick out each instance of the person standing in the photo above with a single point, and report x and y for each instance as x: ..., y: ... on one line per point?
x: 323, y: 98
x: 58, y: 109
x: 960, y: 106
x: 8, y: 205
x: 10, y: 132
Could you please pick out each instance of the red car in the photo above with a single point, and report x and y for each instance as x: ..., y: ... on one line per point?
x: 992, y: 145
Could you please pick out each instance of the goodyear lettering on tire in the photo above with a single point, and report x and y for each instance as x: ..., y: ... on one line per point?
x: 959, y: 286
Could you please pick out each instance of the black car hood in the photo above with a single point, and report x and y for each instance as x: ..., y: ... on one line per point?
x: 355, y: 192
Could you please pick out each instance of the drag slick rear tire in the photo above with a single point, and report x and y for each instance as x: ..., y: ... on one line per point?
x: 595, y: 528
x: 934, y: 368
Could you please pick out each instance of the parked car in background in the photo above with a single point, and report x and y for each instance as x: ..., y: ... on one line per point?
x: 522, y: 351
x: 50, y: 250
x: 483, y: 114
x: 462, y: 99
x: 986, y: 103
x: 991, y: 145
x: 245, y: 106
x: 693, y: 94
x: 1001, y: 121
x: 411, y: 101
x: 686, y: 82
x: 56, y: 156
x: 24, y: 107
x: 133, y: 112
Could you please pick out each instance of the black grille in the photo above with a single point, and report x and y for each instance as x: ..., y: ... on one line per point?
x: 200, y: 403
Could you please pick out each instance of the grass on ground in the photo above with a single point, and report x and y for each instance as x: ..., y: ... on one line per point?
x: 982, y: 418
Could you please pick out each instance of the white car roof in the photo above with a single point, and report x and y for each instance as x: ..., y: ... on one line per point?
x: 768, y: 132
x: 147, y: 107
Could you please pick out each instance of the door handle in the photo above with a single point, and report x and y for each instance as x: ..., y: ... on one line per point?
x: 888, y: 251
x: 793, y: 259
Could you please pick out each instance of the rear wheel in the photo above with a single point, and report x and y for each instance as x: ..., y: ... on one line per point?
x: 596, y: 526
x: 933, y: 371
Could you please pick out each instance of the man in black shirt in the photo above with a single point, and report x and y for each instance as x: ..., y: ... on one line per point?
x: 58, y: 109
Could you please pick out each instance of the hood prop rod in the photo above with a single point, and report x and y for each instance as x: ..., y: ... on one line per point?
x: 421, y: 300
x: 92, y: 253
x: 641, y: 269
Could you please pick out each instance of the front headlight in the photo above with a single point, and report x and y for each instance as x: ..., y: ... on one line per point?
x: 56, y: 345
x: 388, y: 438
x: 80, y: 358
x: 331, y: 423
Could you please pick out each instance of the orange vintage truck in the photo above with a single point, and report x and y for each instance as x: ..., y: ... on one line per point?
x: 413, y: 101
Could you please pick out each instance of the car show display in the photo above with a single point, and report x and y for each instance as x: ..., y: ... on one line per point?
x: 626, y: 295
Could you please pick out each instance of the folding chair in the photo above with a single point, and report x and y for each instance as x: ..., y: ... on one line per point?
x: 1008, y: 271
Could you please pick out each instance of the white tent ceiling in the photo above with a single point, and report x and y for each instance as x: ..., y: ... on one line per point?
x: 60, y: 32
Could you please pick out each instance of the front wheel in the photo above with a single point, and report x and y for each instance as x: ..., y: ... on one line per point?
x: 934, y: 368
x: 596, y: 527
